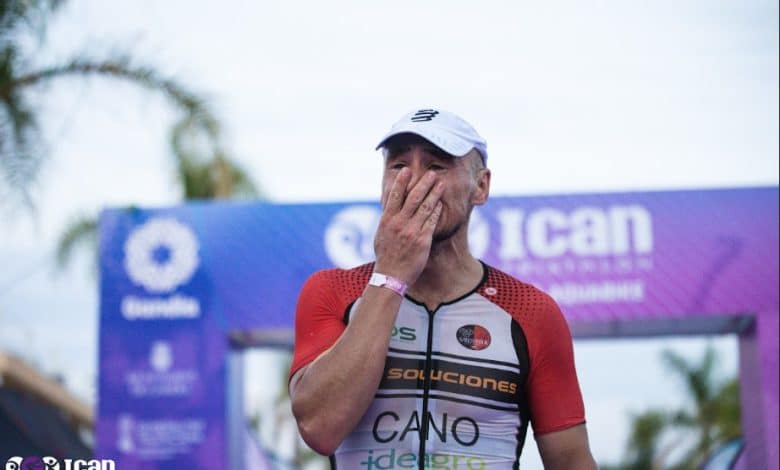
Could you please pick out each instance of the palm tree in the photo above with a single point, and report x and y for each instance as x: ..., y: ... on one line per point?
x: 644, y: 440
x: 203, y: 169
x: 198, y: 174
x: 714, y: 414
x: 711, y: 417
x: 21, y: 151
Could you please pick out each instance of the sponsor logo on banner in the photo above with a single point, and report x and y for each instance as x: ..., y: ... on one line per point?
x: 584, y: 232
x: 162, y: 380
x: 160, y: 256
x: 161, y: 356
x: 51, y: 463
x: 611, y: 246
x: 349, y: 237
x: 158, y: 439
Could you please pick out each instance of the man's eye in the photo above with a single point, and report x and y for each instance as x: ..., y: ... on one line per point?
x: 397, y: 166
x: 436, y: 167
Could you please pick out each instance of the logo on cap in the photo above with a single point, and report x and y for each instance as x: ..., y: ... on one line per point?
x: 424, y: 115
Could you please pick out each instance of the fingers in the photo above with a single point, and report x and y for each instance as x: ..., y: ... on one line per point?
x: 394, y: 199
x: 418, y: 194
x: 433, y: 219
x: 428, y: 205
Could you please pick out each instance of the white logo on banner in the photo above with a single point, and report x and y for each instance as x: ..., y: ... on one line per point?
x: 611, y: 245
x: 170, y: 238
x: 124, y: 429
x: 159, y: 437
x: 166, y: 377
x: 349, y: 238
x: 549, y: 233
x: 161, y: 356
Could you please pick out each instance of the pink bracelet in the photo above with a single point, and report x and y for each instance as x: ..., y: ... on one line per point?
x: 382, y: 280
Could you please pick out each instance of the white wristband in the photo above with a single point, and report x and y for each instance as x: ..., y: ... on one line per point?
x: 382, y: 280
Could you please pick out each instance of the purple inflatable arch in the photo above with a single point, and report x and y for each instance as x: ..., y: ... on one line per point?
x: 183, y: 287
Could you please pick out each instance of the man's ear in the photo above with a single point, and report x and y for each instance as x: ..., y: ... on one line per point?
x: 482, y: 190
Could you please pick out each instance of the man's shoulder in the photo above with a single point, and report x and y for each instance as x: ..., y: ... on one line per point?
x: 347, y: 283
x: 513, y: 295
x: 498, y: 281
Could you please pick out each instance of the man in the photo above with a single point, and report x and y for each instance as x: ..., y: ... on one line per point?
x: 428, y: 358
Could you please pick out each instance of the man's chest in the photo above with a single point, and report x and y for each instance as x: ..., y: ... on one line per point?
x: 452, y: 385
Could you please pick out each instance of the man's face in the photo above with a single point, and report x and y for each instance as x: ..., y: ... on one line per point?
x: 466, y: 181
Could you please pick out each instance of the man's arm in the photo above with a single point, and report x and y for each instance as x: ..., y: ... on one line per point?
x: 330, y: 395
x: 566, y: 450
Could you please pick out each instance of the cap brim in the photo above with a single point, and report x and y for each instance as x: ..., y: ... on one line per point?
x: 447, y: 141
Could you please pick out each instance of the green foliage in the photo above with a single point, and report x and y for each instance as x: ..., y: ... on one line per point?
x: 711, y: 417
x: 643, y: 442
x: 203, y: 170
x: 82, y: 231
x: 16, y: 15
x: 212, y: 174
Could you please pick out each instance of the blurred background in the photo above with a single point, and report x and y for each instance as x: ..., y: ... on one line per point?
x: 114, y: 104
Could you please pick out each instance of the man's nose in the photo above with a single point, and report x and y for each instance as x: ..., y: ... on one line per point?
x: 417, y: 167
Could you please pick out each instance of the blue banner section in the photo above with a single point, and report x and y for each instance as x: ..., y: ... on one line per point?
x: 162, y: 350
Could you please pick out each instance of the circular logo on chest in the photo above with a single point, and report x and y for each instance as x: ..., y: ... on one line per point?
x: 473, y: 337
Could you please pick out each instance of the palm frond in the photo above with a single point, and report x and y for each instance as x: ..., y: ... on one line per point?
x: 643, y: 441
x: 20, y: 153
x: 19, y: 136
x: 203, y: 169
x: 27, y: 14
x: 81, y: 232
x: 122, y: 67
x: 715, y: 407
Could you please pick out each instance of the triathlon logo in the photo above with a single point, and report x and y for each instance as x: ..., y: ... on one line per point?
x: 424, y: 115
x: 34, y: 462
x: 161, y: 254
x: 474, y: 337
x: 30, y: 463
x: 349, y: 238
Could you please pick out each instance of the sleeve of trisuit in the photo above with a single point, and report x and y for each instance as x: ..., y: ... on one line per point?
x: 553, y: 390
x: 318, y: 319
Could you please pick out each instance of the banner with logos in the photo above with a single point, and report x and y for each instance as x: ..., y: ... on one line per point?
x: 175, y: 282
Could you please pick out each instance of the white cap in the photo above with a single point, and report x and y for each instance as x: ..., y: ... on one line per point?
x: 443, y: 129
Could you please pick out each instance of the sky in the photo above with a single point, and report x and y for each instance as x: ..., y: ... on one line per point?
x: 571, y: 96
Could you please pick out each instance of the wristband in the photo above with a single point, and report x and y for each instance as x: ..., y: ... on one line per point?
x: 381, y: 280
